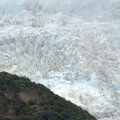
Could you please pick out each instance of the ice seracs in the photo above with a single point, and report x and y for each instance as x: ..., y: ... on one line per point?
x: 76, y: 56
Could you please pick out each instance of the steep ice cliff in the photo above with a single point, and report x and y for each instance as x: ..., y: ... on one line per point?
x: 72, y: 48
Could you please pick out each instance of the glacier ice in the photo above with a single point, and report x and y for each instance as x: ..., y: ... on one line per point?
x: 73, y: 51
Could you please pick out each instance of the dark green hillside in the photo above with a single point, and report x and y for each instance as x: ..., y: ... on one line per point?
x: 21, y: 99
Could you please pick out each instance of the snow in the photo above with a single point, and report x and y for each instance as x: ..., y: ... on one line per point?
x: 73, y: 50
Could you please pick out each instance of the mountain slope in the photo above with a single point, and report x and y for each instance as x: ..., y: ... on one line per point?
x: 21, y: 99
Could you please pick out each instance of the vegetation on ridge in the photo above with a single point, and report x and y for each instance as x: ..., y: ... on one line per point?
x: 21, y: 99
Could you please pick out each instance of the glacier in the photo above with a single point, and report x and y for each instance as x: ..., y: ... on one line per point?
x: 72, y: 47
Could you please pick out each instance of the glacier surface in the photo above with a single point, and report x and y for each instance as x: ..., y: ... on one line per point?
x: 72, y: 47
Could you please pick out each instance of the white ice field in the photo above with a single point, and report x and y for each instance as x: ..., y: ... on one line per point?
x: 72, y: 47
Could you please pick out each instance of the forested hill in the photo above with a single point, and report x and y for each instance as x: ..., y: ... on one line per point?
x: 21, y: 99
